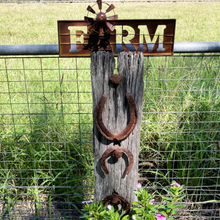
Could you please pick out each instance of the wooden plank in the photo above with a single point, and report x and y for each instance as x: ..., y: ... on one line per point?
x: 150, y: 36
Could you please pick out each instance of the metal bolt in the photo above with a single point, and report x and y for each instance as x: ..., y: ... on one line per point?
x: 117, y: 153
x: 101, y: 17
x: 115, y: 79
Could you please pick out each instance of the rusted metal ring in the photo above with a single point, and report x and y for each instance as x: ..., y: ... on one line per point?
x: 114, y: 148
x: 115, y: 197
x: 129, y: 128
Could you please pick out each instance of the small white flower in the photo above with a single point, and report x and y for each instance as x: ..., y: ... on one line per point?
x: 152, y: 201
x: 109, y: 207
x: 133, y: 217
x: 87, y: 201
x: 139, y: 185
x: 175, y: 184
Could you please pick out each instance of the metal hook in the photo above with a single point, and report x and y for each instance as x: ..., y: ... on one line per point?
x: 117, y: 152
x: 129, y: 128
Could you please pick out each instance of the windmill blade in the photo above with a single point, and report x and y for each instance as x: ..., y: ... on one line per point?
x: 111, y: 7
x: 88, y: 19
x: 114, y: 17
x: 110, y: 26
x: 90, y: 9
x: 99, y: 2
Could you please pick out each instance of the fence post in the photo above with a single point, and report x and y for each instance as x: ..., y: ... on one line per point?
x: 116, y: 115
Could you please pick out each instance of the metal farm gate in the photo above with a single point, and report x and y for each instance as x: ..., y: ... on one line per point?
x: 46, y: 161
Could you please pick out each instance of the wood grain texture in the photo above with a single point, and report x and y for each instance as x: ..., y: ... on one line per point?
x: 115, y: 118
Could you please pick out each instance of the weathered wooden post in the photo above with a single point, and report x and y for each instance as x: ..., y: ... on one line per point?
x: 116, y: 116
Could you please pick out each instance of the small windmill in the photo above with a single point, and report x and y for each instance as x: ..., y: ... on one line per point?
x: 99, y: 27
x: 100, y: 21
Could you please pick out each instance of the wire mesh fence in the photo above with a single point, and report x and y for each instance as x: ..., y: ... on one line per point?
x: 46, y: 161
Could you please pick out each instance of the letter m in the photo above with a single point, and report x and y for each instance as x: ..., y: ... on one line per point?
x: 151, y: 40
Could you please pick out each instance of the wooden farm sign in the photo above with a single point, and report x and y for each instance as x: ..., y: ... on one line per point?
x: 151, y: 37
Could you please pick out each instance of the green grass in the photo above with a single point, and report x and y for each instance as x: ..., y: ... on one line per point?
x: 37, y: 23
x: 180, y: 127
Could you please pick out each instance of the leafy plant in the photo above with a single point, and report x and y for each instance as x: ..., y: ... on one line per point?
x: 145, y: 208
x: 93, y: 210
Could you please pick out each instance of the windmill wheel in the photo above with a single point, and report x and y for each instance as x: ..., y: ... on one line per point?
x: 98, y: 21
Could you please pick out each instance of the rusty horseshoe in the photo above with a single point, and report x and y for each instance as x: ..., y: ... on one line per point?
x: 129, y: 128
x: 116, y: 199
x: 117, y: 153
